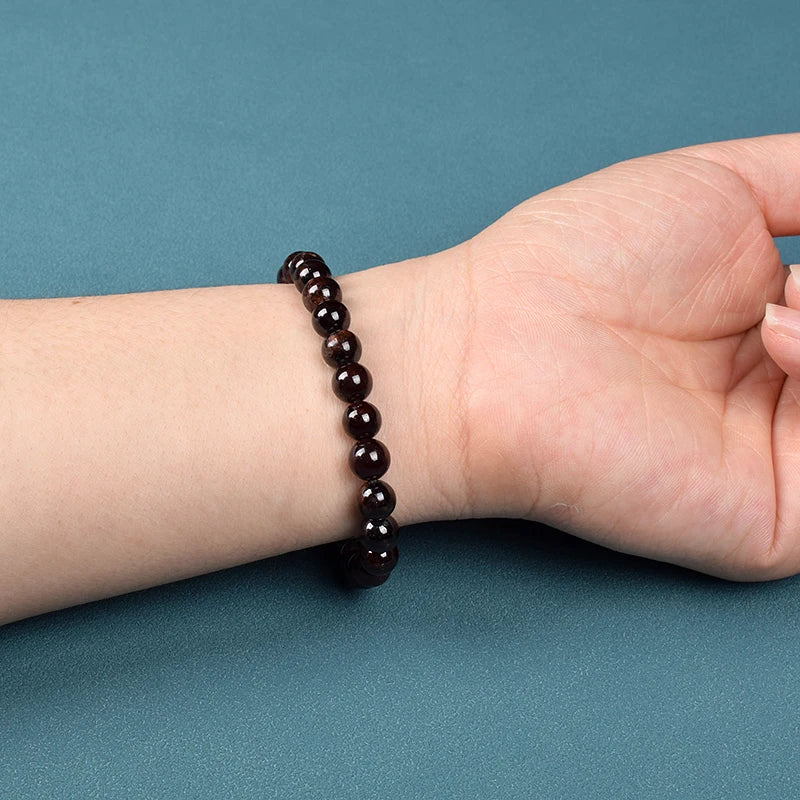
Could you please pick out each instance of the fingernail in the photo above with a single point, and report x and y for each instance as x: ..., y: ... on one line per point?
x: 795, y: 270
x: 783, y: 320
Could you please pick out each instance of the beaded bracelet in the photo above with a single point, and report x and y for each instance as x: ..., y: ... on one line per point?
x: 368, y: 558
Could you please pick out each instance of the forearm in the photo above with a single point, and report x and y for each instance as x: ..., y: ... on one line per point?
x: 154, y: 436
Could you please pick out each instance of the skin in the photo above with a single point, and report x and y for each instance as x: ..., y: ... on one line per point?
x: 154, y: 436
x: 597, y: 359
x: 621, y: 382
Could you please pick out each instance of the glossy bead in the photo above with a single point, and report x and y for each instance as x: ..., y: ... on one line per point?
x: 309, y: 269
x: 369, y: 459
x: 320, y: 289
x: 377, y: 560
x: 355, y: 576
x: 376, y: 500
x: 341, y: 347
x: 379, y: 534
x: 361, y: 420
x: 351, y: 382
x: 358, y: 578
x: 330, y: 316
x: 368, y: 559
x: 294, y: 260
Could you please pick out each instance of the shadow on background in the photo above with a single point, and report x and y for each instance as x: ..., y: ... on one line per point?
x: 468, y: 580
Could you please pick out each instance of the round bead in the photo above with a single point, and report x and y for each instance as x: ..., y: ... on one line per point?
x: 376, y: 500
x: 330, y: 316
x: 379, y: 533
x: 378, y: 560
x: 361, y: 420
x: 351, y: 382
x: 294, y: 260
x: 317, y: 290
x: 307, y: 270
x: 354, y: 574
x: 369, y: 459
x: 341, y: 347
x: 368, y: 559
x: 358, y: 578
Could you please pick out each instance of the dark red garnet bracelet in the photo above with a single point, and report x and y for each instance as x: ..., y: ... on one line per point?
x: 368, y: 558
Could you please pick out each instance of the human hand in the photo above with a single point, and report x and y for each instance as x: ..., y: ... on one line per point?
x: 617, y: 379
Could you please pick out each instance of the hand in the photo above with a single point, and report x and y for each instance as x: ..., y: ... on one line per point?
x: 617, y: 378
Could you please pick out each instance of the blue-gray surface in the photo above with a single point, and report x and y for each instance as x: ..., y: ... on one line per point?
x: 153, y: 145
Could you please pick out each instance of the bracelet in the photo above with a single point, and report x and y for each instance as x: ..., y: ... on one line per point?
x: 368, y: 558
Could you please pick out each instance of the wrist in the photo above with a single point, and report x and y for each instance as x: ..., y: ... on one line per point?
x: 412, y: 328
x: 179, y: 432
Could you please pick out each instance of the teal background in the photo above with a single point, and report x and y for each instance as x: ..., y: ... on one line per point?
x: 155, y: 145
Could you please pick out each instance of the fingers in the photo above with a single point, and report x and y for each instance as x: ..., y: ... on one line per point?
x: 780, y: 330
x: 792, y: 287
x: 771, y: 167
